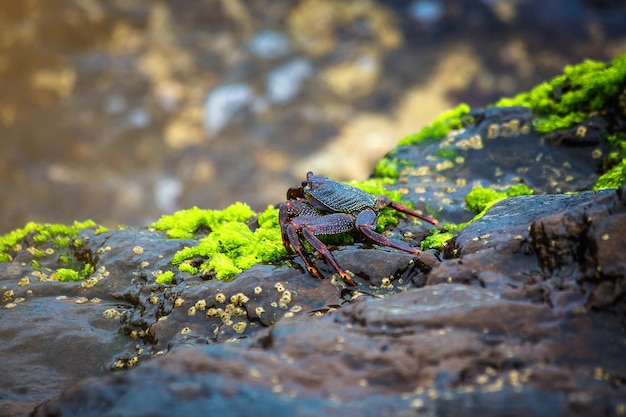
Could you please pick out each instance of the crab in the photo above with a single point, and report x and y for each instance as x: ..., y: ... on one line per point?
x: 322, y: 206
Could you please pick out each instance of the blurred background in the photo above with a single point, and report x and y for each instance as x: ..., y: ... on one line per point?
x: 123, y: 110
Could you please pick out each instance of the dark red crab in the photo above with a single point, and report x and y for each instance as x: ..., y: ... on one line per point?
x: 322, y: 206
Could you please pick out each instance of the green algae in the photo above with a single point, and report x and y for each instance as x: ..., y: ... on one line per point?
x: 184, y: 224
x: 387, y: 168
x: 229, y: 245
x: 38, y: 253
x: 47, y: 240
x: 615, y: 163
x: 613, y: 178
x: 449, y: 154
x: 9, y: 241
x: 59, y: 235
x: 481, y: 199
x: 101, y: 229
x: 66, y: 275
x: 72, y: 275
x: 569, y: 98
x: 438, y: 237
x: 440, y: 127
x: 165, y: 277
x: 436, y: 240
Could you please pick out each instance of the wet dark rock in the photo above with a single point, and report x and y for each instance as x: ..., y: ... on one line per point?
x: 525, y: 305
x: 421, y: 350
x: 56, y: 333
x: 546, y: 245
x: 524, y: 314
x: 120, y: 317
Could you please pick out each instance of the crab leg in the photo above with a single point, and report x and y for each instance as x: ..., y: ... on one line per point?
x: 366, y: 223
x: 293, y: 209
x: 294, y: 242
x: 386, y: 202
x: 329, y: 224
x: 323, y: 250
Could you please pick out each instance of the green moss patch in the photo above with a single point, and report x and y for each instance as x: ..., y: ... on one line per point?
x: 185, y: 224
x: 613, y: 178
x: 165, y: 277
x: 435, y: 240
x: 71, y: 275
x: 50, y: 243
x: 40, y: 234
x: 438, y: 237
x: 440, y: 127
x: 614, y: 163
x: 229, y: 245
x: 387, y: 168
x: 569, y: 98
x: 480, y: 199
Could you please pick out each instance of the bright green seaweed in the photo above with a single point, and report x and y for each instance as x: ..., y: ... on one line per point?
x: 440, y: 127
x: 570, y: 97
x: 229, y: 245
x: 480, y: 199
x: 58, y: 234
x: 56, y: 239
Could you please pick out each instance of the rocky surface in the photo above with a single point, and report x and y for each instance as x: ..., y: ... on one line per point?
x: 524, y: 315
